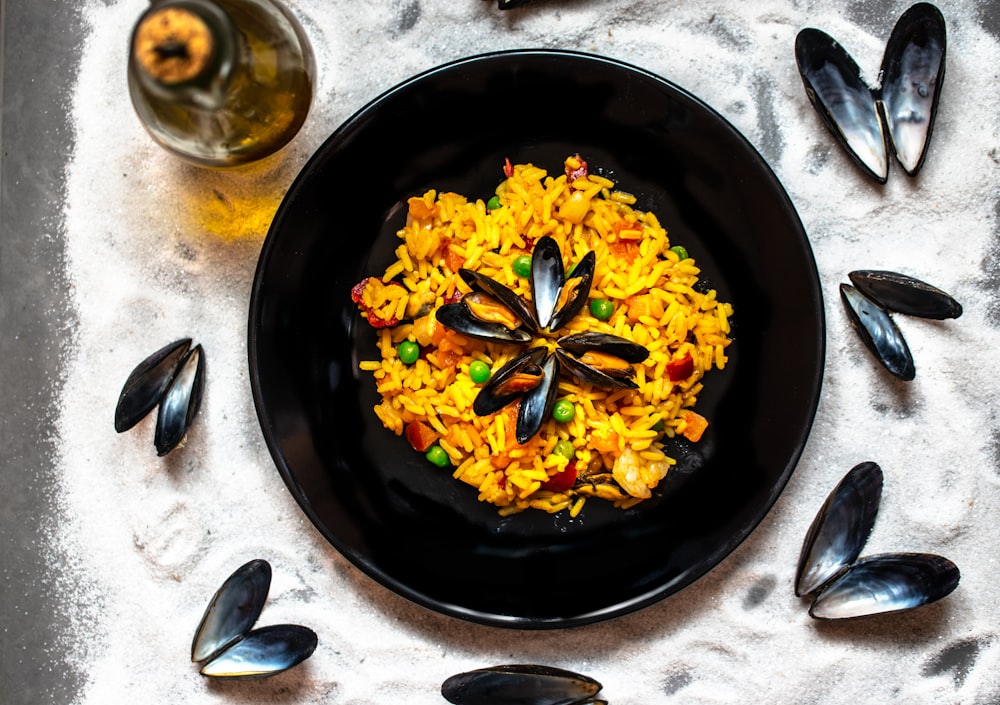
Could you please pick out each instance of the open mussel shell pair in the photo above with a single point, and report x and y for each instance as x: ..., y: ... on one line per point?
x: 846, y: 586
x: 173, y: 377
x: 600, y: 359
x: 225, y: 642
x: 869, y: 303
x: 521, y: 684
x: 555, y: 299
x: 899, y: 114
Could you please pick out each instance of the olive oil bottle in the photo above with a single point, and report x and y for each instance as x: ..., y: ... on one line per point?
x: 220, y: 83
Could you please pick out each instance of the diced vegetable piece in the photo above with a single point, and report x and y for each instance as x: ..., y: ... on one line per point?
x: 420, y: 435
x: 696, y: 425
x: 680, y: 369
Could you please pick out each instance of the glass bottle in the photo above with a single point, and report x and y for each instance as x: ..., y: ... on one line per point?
x: 220, y: 82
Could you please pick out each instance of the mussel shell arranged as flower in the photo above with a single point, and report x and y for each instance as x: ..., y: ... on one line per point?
x: 173, y: 377
x: 224, y: 643
x: 494, y: 313
x: 520, y: 684
x: 900, y: 113
x: 845, y: 586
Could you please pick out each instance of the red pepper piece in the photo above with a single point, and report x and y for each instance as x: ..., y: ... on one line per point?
x: 508, y: 168
x: 563, y: 481
x: 357, y: 296
x: 679, y: 370
x: 420, y: 435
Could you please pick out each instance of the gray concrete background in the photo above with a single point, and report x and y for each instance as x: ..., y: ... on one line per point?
x: 36, y: 75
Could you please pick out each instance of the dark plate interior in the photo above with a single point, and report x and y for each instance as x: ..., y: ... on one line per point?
x: 409, y: 525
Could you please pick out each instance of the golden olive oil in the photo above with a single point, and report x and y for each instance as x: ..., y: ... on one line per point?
x: 220, y: 82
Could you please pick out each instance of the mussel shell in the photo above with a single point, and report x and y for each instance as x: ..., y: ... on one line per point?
x: 905, y: 294
x: 537, y: 404
x: 519, y: 685
x: 233, y: 610
x: 490, y: 398
x: 846, y: 104
x: 547, y: 277
x: 912, y: 76
x: 584, y: 270
x: 592, y: 375
x: 890, y: 582
x: 264, y: 652
x: 180, y: 402
x: 879, y: 332
x: 624, y: 348
x: 460, y: 318
x: 840, y: 529
x: 505, y: 295
x: 146, y: 384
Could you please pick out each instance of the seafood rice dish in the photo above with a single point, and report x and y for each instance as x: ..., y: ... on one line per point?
x: 544, y: 344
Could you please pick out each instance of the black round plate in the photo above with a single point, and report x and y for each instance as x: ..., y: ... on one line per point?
x: 410, y: 525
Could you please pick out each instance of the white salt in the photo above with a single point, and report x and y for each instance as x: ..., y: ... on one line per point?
x: 146, y: 541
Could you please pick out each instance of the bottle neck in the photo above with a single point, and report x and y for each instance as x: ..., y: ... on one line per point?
x: 186, y: 51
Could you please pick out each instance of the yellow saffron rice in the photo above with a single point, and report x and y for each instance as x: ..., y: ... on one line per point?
x: 616, y: 434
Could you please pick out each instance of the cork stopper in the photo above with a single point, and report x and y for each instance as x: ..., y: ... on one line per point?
x: 173, y: 45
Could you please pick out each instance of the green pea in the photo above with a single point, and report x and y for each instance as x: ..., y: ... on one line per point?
x: 601, y: 309
x: 479, y: 371
x: 408, y: 352
x: 493, y: 203
x: 437, y: 455
x: 522, y: 266
x: 563, y: 411
x: 565, y: 449
x: 680, y: 250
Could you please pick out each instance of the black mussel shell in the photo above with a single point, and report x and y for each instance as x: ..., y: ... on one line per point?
x: 624, y: 348
x: 459, y: 318
x: 492, y: 397
x: 503, y: 294
x: 233, y: 610
x: 180, y: 403
x: 548, y: 279
x: 840, y: 529
x: 592, y: 375
x: 146, y: 384
x: 846, y: 104
x: 508, y: 4
x: 878, y: 332
x: 519, y: 685
x: 264, y: 652
x: 886, y: 583
x: 581, y: 279
x: 904, y: 294
x: 912, y: 76
x: 537, y: 404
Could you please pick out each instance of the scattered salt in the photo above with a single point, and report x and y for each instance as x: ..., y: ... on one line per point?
x: 152, y: 255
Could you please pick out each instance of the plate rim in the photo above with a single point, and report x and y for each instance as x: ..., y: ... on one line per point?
x: 618, y: 609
